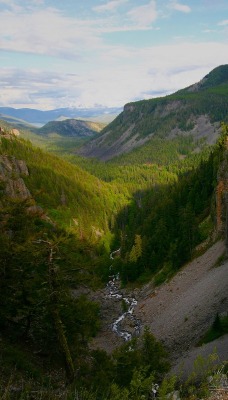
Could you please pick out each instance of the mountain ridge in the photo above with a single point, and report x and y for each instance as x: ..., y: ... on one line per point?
x: 71, y: 128
x: 217, y: 76
x: 186, y: 112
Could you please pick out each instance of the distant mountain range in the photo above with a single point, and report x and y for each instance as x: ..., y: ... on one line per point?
x: 71, y: 128
x: 39, y: 117
x: 195, y: 111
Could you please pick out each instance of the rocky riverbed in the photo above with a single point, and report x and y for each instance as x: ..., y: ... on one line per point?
x: 177, y: 312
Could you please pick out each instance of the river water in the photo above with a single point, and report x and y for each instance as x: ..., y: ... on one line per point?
x: 114, y: 292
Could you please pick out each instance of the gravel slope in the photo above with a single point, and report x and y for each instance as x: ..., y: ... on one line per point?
x: 178, y: 313
x: 185, y: 362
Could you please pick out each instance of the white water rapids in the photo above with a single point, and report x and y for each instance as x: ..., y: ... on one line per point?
x: 114, y: 293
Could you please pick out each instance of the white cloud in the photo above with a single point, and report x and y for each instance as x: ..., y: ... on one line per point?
x: 46, y: 32
x: 17, y: 4
x: 144, y: 15
x: 180, y: 7
x: 110, y: 6
x: 209, y: 30
x: 126, y: 28
x: 223, y: 23
x: 173, y: 67
x: 86, y: 69
x: 38, y: 89
x: 124, y: 75
x: 9, y: 3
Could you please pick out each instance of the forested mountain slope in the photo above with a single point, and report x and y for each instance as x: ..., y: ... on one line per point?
x: 55, y: 222
x: 70, y: 196
x: 195, y: 111
x: 57, y: 225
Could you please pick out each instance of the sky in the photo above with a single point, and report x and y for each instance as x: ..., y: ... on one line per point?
x: 90, y: 53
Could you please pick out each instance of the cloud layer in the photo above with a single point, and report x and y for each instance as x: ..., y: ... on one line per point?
x: 109, y: 52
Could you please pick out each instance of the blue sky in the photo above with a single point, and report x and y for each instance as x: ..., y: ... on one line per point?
x: 75, y: 53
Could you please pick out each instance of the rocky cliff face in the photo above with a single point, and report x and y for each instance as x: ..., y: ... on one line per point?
x: 13, y: 187
x: 11, y: 178
x: 8, y: 133
x: 105, y: 148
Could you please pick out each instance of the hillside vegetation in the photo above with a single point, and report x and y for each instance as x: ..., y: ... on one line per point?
x: 158, y: 162
x: 45, y: 330
x: 72, y: 128
x: 59, y: 219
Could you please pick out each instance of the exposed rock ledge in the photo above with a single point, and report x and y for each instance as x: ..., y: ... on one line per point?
x: 12, y: 185
x: 11, y: 170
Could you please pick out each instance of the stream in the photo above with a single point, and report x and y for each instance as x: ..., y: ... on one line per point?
x: 113, y: 289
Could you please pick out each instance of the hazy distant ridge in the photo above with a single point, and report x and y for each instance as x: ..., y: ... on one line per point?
x: 42, y: 117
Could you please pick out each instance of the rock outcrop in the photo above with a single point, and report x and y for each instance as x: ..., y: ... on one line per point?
x: 9, y: 133
x: 11, y: 178
x: 13, y: 187
x: 222, y: 195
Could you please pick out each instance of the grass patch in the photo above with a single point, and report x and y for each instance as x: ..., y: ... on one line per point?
x: 218, y: 329
x: 205, y: 228
x: 221, y: 259
x: 165, y: 274
x: 160, y: 278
